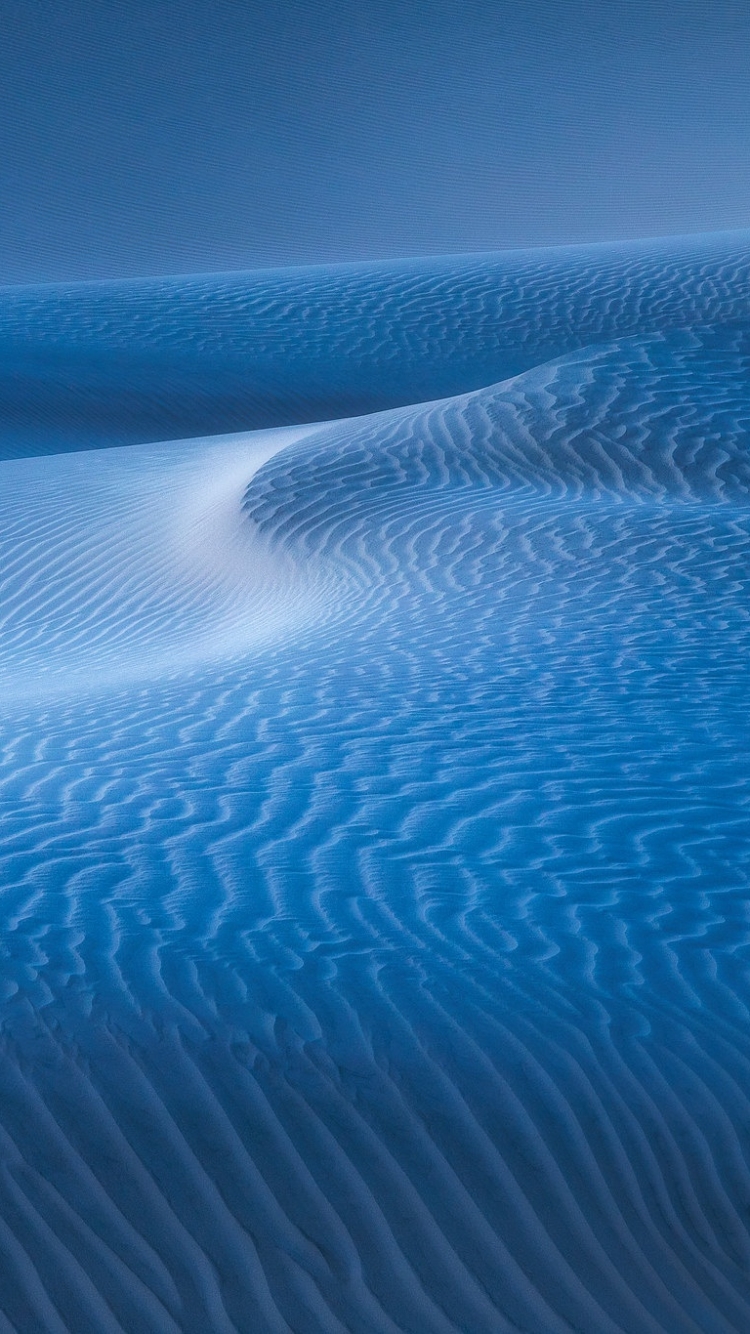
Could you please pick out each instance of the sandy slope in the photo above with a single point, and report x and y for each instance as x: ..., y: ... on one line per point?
x: 375, y: 841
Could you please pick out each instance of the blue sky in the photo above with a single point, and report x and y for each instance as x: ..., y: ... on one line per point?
x: 153, y: 136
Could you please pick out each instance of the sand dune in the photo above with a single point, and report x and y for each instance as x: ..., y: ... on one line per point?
x: 376, y: 809
x: 113, y: 363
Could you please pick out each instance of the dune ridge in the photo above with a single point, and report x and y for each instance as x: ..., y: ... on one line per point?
x: 376, y: 819
x: 112, y: 363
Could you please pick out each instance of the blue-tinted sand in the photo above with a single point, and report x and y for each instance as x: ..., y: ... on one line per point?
x: 375, y: 798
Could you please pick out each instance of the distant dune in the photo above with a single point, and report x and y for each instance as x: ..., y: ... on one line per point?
x: 376, y: 801
x: 95, y: 364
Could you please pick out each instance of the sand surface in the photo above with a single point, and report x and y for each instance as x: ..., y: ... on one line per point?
x: 375, y: 798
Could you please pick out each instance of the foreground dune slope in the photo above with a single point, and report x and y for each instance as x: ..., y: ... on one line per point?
x: 376, y: 819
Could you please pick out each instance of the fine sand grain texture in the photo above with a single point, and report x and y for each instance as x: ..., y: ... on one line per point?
x: 375, y: 798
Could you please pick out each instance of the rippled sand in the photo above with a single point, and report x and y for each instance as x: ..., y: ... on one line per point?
x: 376, y: 800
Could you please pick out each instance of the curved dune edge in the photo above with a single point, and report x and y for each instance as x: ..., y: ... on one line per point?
x: 135, y: 561
x: 130, y: 563
x: 374, y: 862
